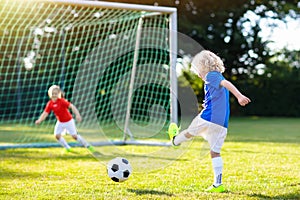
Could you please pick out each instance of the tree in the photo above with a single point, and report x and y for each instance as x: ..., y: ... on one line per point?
x: 232, y: 29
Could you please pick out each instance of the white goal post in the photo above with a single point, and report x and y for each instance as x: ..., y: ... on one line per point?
x: 113, y: 59
x: 156, y: 11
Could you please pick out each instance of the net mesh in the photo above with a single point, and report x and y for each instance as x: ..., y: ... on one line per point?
x: 89, y: 52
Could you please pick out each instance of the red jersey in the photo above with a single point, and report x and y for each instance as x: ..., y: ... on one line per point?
x: 60, y: 107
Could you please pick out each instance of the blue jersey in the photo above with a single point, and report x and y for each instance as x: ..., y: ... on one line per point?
x: 216, y: 102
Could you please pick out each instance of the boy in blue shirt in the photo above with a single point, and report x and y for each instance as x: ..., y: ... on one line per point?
x: 212, y: 122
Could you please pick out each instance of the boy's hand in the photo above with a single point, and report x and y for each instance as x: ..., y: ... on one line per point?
x: 243, y: 100
x: 37, y: 122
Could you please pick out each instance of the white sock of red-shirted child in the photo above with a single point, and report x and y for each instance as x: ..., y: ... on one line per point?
x: 217, y: 163
x: 82, y: 141
x: 63, y: 142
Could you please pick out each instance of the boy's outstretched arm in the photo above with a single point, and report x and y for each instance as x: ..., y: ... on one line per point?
x: 43, y: 116
x: 243, y: 100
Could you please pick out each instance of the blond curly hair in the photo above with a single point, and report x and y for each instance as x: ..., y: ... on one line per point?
x: 207, y: 61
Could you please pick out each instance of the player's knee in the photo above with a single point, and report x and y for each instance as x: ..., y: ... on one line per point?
x: 214, y: 154
x: 187, y: 135
x: 57, y: 136
x: 74, y: 137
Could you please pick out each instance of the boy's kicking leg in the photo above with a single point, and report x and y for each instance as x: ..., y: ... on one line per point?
x: 215, y: 137
x: 176, y: 137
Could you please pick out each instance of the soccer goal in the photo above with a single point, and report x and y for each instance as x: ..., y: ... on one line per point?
x: 114, y: 61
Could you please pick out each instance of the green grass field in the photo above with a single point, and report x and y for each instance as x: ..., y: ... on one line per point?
x: 261, y: 161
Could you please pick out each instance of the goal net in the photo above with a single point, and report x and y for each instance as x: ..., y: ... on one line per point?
x: 115, y: 62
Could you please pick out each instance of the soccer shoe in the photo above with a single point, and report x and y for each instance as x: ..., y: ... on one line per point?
x: 173, y: 131
x: 215, y: 189
x: 91, y: 149
x: 69, y: 150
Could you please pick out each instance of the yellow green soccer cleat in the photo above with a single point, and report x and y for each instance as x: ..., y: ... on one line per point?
x: 91, y: 148
x: 68, y: 150
x: 173, y: 131
x: 215, y: 189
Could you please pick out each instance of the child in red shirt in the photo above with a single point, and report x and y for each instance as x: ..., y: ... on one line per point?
x: 65, y: 121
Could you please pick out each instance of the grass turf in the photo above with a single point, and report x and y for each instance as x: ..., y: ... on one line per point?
x: 261, y: 161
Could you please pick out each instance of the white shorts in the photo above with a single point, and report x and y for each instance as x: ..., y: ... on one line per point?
x: 213, y: 133
x: 65, y: 127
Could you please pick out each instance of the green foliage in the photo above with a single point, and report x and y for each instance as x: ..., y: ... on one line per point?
x: 275, y: 92
x: 270, y: 97
x: 249, y: 63
x: 192, y: 80
x: 228, y: 31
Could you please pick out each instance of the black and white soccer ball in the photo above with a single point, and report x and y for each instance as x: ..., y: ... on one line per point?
x: 119, y: 169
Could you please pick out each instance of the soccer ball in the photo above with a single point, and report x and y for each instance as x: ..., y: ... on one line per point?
x: 119, y: 169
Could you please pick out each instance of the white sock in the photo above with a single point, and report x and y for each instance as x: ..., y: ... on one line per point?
x: 180, y: 138
x: 82, y: 141
x: 217, y: 163
x: 63, y: 142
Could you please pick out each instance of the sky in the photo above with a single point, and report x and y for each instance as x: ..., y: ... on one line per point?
x: 284, y: 35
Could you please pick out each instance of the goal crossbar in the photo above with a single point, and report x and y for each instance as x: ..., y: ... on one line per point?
x: 114, y: 5
x: 153, y: 11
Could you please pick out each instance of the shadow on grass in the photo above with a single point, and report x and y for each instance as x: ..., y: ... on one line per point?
x: 8, y: 174
x: 284, y: 196
x: 147, y: 192
x: 295, y: 195
x: 128, y: 155
x: 38, y: 154
x: 78, y: 153
x: 259, y: 152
